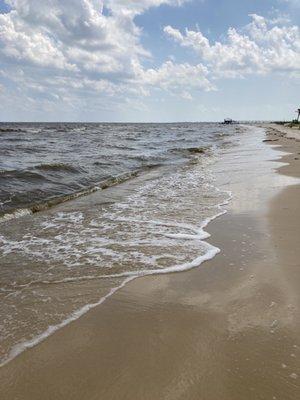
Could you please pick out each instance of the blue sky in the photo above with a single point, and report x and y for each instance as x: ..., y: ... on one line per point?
x: 151, y: 60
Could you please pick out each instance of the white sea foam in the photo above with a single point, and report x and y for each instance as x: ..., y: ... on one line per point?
x: 20, y: 347
x: 199, y: 234
x: 16, y: 214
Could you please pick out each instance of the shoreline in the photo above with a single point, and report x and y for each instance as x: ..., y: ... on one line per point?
x: 198, y: 233
x: 177, y: 315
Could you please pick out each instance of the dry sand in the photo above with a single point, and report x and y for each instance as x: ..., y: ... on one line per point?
x: 228, y: 330
x: 285, y: 131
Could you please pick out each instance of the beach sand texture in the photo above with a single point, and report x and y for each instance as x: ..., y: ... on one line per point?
x: 228, y: 330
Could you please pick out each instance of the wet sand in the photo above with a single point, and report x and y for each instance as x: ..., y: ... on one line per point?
x: 228, y: 330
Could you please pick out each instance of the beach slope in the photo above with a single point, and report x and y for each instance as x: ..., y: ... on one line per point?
x: 228, y: 330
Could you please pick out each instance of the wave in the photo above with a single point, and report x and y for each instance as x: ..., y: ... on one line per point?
x: 56, y: 167
x: 191, y: 150
x: 199, y: 233
x: 21, y: 212
x: 12, y: 130
x: 42, y: 206
x: 102, y: 163
x: 197, y: 150
x: 28, y: 175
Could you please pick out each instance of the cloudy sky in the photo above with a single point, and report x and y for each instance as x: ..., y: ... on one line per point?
x: 149, y: 60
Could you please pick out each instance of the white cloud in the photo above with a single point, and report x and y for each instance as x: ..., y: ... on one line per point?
x: 139, y: 6
x: 259, y: 48
x: 178, y: 77
x: 69, y: 35
x: 55, y: 47
x: 70, y: 52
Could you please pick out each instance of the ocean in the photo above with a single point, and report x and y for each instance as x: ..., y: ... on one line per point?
x: 85, y: 208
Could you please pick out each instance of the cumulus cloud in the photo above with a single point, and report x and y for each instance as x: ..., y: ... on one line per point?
x: 259, y: 48
x: 58, y: 47
x: 178, y: 77
x: 75, y: 35
x: 139, y: 6
x: 70, y: 35
x: 70, y: 52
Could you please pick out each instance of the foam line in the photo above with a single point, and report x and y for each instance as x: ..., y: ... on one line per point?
x: 19, y: 348
x: 113, y: 181
x: 212, y: 251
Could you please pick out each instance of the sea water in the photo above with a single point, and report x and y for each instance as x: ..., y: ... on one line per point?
x: 85, y: 208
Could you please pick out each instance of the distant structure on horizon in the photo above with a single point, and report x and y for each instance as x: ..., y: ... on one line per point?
x: 228, y: 121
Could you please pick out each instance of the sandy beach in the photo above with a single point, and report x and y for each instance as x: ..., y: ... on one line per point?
x: 228, y: 330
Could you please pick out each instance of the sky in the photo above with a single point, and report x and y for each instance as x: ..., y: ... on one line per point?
x: 149, y: 60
